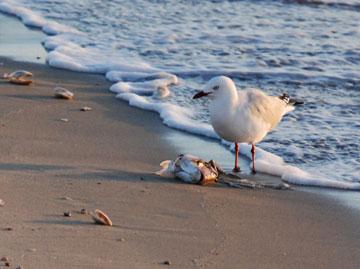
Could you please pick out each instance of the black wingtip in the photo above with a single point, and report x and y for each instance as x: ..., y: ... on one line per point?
x: 293, y: 102
x: 285, y: 97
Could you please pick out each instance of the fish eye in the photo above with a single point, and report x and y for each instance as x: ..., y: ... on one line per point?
x: 216, y: 87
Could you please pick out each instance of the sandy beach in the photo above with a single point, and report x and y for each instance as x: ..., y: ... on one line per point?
x: 105, y: 158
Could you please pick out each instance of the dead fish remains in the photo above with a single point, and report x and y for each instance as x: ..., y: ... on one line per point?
x: 190, y: 169
x: 20, y: 77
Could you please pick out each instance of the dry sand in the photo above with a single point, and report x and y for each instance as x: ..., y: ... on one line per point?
x: 104, y: 159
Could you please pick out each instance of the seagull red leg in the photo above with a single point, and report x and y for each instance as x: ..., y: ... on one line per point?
x: 236, y: 167
x: 253, y: 158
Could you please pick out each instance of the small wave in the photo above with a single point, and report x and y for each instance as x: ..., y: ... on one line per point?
x: 343, y: 4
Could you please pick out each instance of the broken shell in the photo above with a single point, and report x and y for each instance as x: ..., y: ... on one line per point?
x: 101, y: 218
x: 63, y: 93
x: 64, y: 120
x: 20, y: 81
x: 18, y: 74
x: 86, y: 108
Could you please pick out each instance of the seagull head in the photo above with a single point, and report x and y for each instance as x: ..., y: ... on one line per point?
x: 216, y: 86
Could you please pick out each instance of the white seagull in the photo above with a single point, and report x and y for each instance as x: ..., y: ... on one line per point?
x: 243, y: 116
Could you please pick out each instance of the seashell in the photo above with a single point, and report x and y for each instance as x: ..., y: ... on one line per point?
x: 190, y: 169
x: 86, y: 108
x: 101, y: 218
x: 63, y: 93
x: 4, y: 259
x: 18, y: 74
x: 19, y: 81
x: 19, y: 77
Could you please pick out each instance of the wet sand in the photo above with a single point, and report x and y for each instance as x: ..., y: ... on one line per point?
x: 104, y: 159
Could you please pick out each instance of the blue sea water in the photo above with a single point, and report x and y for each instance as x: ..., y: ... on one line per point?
x: 309, y: 49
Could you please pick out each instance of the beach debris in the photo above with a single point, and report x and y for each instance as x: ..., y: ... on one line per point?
x: 2, y: 203
x: 20, y: 77
x: 64, y: 120
x: 190, y: 169
x: 67, y: 214
x: 63, y: 93
x: 101, y: 218
x: 66, y: 198
x: 83, y: 211
x: 86, y: 108
x: 6, y: 261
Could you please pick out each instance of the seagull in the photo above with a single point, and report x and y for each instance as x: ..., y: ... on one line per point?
x: 243, y: 116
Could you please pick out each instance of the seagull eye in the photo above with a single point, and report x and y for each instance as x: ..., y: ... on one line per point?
x: 216, y: 88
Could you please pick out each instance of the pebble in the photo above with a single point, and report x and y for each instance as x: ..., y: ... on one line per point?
x: 8, y: 229
x: 66, y: 198
x: 2, y: 203
x: 121, y: 240
x: 167, y: 262
x: 67, y: 214
x: 86, y: 108
x: 4, y: 259
x: 83, y: 211
x: 7, y: 264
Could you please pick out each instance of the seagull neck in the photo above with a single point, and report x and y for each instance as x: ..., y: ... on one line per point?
x: 224, y: 104
x: 227, y: 100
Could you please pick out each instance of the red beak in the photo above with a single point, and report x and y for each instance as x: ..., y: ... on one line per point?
x: 200, y: 94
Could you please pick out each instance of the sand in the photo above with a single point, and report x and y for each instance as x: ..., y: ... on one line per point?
x: 105, y: 158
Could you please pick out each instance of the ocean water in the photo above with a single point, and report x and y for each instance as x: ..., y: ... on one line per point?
x: 309, y: 49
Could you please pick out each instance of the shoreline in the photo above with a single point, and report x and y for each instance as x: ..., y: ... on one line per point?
x: 95, y: 161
